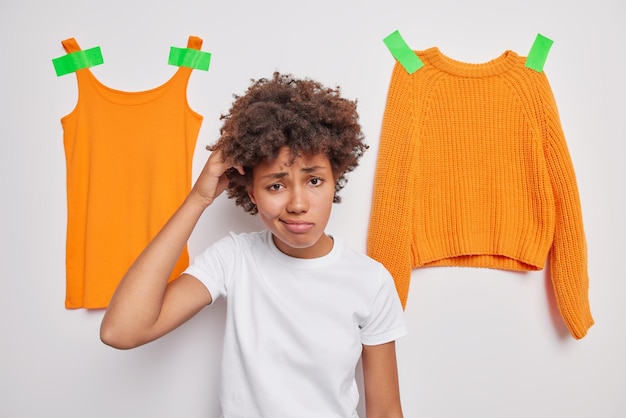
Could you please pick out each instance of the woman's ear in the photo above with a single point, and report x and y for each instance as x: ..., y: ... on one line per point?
x: 251, y: 194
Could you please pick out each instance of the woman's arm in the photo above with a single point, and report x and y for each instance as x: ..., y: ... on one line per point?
x: 380, y: 377
x: 145, y: 306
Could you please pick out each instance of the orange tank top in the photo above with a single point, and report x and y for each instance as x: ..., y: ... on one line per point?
x: 128, y: 159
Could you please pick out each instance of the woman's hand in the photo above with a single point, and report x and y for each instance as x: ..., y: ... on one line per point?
x: 212, y: 180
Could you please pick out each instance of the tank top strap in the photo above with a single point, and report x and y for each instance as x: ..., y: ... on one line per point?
x: 184, y: 73
x: 70, y: 45
x: 194, y: 42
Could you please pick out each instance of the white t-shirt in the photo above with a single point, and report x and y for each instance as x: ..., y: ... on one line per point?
x: 295, y: 327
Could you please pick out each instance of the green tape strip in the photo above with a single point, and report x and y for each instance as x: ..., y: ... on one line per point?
x: 402, y: 52
x: 539, y: 53
x: 78, y: 60
x: 188, y: 57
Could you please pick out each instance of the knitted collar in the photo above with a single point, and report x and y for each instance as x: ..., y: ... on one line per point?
x: 503, y: 63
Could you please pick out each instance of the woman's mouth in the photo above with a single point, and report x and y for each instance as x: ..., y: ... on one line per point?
x: 297, y: 227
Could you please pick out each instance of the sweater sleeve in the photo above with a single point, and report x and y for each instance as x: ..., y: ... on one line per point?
x: 568, y: 255
x: 390, y: 232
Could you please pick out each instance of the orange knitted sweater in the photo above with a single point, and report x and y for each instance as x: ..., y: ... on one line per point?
x: 473, y: 170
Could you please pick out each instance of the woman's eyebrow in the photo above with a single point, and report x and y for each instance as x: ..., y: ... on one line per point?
x: 313, y: 169
x: 278, y: 175
x: 281, y: 174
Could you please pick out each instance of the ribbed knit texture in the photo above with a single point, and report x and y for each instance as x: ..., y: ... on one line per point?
x: 473, y: 171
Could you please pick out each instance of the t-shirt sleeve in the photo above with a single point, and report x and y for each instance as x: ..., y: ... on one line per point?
x: 213, y: 266
x: 386, y: 321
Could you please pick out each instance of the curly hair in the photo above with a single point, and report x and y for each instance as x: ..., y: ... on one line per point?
x: 302, y: 114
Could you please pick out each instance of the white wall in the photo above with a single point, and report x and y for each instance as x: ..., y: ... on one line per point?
x: 482, y: 343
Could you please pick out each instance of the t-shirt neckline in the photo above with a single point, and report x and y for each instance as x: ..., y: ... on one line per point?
x: 302, y: 263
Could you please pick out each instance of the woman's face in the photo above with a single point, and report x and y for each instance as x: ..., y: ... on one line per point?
x: 294, y: 198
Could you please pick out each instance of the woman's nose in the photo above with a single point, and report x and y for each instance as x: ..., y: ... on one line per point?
x: 297, y: 201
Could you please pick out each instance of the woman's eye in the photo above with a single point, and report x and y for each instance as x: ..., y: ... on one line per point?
x: 316, y: 181
x: 274, y: 187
